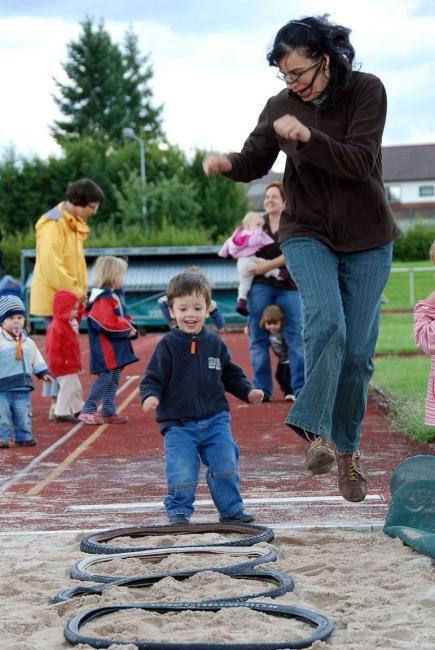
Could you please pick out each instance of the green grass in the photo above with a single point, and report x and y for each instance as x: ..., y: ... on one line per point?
x: 403, y: 379
x: 398, y: 286
x: 403, y: 382
x: 395, y: 334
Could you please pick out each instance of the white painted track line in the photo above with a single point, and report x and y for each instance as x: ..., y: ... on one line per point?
x: 363, y: 527
x: 69, y: 434
x: 108, y: 507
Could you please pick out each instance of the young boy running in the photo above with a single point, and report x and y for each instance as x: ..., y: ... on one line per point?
x: 185, y: 381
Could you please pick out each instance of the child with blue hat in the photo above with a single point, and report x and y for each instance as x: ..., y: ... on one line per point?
x: 19, y: 359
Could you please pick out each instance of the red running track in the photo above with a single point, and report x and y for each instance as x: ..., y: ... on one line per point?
x: 81, y: 477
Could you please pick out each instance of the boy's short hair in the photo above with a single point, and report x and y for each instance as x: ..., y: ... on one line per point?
x: 187, y: 283
x: 272, y: 314
x: 108, y: 270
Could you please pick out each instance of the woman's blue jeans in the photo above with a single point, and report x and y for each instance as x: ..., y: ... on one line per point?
x: 259, y: 297
x: 211, y: 442
x: 341, y: 295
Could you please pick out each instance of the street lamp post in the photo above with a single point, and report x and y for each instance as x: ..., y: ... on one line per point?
x: 128, y: 132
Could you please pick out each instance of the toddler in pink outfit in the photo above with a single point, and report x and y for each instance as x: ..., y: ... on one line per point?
x: 245, y: 241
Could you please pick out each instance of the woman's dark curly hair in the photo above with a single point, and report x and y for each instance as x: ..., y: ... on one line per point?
x: 315, y: 36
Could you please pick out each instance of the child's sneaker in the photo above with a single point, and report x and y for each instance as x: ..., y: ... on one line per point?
x: 26, y: 443
x: 91, y: 418
x: 242, y: 307
x: 4, y: 444
x: 65, y: 418
x: 241, y: 517
x: 51, y: 413
x: 290, y: 397
x: 115, y: 418
x: 179, y: 520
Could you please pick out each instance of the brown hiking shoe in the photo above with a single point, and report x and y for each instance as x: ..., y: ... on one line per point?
x: 319, y: 457
x: 352, y: 481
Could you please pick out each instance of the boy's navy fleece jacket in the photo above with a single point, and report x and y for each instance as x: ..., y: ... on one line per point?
x: 189, y: 374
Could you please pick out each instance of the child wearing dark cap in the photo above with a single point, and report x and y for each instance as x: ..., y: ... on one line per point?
x: 19, y: 359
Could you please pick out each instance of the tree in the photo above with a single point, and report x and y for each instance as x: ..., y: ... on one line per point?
x: 140, y: 114
x: 223, y: 202
x: 169, y: 201
x: 107, y: 89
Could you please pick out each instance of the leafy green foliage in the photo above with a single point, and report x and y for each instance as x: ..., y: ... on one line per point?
x: 11, y: 246
x: 414, y: 243
x: 223, y: 202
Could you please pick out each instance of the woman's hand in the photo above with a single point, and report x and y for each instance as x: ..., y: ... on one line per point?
x: 289, y: 127
x: 216, y: 164
x: 264, y: 267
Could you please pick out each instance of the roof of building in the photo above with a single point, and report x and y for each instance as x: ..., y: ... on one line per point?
x: 409, y: 162
x: 150, y: 269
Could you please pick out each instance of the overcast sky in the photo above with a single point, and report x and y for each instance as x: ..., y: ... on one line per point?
x: 208, y: 56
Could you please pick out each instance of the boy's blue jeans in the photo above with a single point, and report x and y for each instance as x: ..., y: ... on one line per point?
x: 209, y: 441
x: 15, y: 415
x: 341, y: 294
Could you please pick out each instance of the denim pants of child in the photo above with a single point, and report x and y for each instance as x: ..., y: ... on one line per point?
x: 209, y: 441
x: 15, y: 415
x: 259, y: 297
x: 341, y: 294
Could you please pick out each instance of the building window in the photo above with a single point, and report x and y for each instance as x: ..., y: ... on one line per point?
x: 425, y: 190
x: 394, y: 193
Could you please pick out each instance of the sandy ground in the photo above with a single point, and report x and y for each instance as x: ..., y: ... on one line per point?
x: 377, y: 592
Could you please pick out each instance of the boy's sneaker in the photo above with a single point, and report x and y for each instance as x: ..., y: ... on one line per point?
x: 115, y: 419
x: 179, y: 520
x: 4, y: 444
x: 242, y: 307
x: 241, y: 517
x: 26, y: 443
x: 91, y: 418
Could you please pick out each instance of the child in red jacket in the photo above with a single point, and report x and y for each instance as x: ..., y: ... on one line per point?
x: 63, y: 355
x: 110, y: 331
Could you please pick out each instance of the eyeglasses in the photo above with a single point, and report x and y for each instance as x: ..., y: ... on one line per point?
x: 292, y: 77
x: 93, y: 206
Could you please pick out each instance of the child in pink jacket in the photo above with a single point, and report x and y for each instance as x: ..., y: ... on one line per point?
x: 424, y: 333
x: 245, y: 241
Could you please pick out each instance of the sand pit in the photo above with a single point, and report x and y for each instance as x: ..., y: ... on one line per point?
x: 378, y: 593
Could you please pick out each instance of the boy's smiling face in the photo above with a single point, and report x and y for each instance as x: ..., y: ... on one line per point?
x: 189, y: 312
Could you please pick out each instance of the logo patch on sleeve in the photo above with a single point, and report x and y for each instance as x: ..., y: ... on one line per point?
x: 214, y: 363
